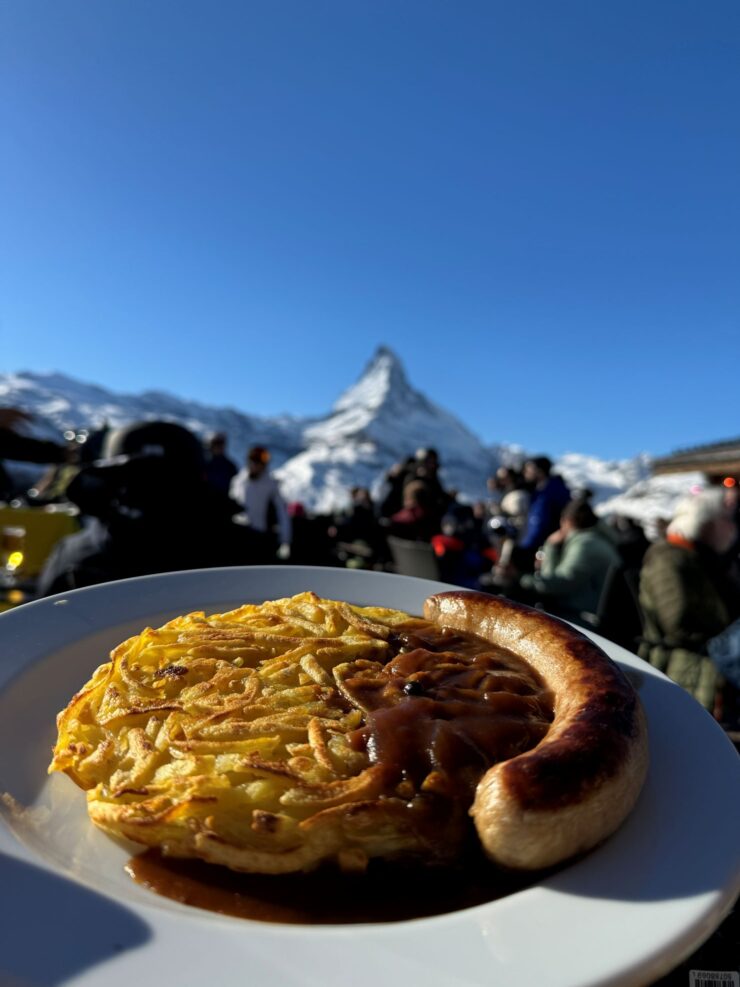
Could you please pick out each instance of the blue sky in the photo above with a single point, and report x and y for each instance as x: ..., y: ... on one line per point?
x: 535, y: 204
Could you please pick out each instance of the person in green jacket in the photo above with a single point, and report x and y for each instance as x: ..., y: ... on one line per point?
x: 575, y: 562
x: 688, y: 595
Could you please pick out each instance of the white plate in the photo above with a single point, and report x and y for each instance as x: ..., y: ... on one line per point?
x: 623, y: 915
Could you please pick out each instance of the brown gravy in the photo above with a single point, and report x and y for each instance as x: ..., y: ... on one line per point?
x: 446, y: 702
x: 449, y: 703
x: 384, y: 893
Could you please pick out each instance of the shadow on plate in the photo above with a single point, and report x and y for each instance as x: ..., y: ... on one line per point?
x: 54, y: 929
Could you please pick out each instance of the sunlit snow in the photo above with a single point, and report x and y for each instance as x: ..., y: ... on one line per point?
x: 378, y: 421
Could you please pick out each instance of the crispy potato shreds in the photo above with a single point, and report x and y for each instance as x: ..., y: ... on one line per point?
x: 227, y: 737
x: 319, y: 746
x: 313, y: 668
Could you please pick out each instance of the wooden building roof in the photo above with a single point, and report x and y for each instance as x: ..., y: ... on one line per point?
x: 717, y: 460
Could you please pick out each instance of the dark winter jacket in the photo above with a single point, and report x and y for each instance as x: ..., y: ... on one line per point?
x: 544, y: 512
x: 687, y: 598
x: 220, y: 471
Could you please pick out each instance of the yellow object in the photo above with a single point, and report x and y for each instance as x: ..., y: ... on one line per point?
x: 43, y: 529
x: 12, y: 598
x: 15, y: 559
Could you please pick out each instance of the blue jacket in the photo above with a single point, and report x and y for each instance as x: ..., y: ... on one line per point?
x: 544, y: 512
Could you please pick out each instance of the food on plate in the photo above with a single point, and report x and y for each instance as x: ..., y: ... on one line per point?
x: 581, y: 782
x: 279, y: 736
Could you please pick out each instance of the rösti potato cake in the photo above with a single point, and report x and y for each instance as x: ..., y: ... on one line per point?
x: 280, y: 736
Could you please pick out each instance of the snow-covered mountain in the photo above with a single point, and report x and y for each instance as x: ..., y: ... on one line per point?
x: 378, y: 421
x: 627, y: 487
x: 606, y: 478
x: 653, y: 498
x: 58, y: 403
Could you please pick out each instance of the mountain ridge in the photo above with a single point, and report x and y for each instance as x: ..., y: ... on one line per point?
x: 376, y: 421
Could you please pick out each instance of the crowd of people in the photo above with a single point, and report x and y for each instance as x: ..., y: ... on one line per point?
x: 153, y: 498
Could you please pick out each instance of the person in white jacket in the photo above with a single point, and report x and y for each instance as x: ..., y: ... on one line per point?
x: 256, y: 489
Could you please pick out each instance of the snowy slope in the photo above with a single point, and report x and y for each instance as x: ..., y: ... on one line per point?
x: 378, y: 421
x: 627, y: 487
x: 606, y: 478
x: 381, y: 419
x: 653, y: 498
x: 58, y: 402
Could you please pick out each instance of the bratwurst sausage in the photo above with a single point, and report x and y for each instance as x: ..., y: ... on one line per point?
x: 581, y: 781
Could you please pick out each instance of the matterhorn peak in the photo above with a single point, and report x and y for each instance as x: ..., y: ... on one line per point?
x: 383, y: 376
x: 384, y: 412
x: 380, y: 420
